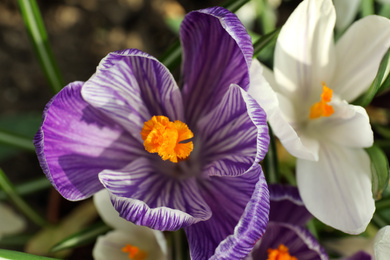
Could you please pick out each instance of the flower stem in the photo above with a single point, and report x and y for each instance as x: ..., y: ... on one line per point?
x: 271, y: 165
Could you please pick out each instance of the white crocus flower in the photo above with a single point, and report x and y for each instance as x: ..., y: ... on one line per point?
x: 126, y: 241
x: 10, y: 222
x: 307, y: 107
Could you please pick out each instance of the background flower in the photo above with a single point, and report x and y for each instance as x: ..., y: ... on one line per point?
x: 311, y: 72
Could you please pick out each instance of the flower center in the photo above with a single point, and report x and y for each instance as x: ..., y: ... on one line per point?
x: 134, y: 252
x: 280, y: 254
x: 322, y: 108
x: 169, y: 139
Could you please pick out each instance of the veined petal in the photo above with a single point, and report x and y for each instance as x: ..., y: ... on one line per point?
x: 281, y: 115
x: 287, y: 206
x: 75, y: 142
x: 359, y: 55
x: 382, y: 244
x: 337, y: 188
x: 130, y: 86
x: 341, y: 127
x: 240, y: 207
x: 230, y: 139
x: 304, y: 54
x: 110, y: 246
x: 217, y: 52
x: 144, y: 195
x: 299, y: 241
x: 346, y: 11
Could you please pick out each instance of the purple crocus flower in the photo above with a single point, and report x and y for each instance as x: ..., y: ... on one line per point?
x: 170, y: 158
x: 285, y: 236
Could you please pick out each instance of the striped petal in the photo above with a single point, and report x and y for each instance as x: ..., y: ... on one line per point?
x: 130, y: 86
x: 217, y: 52
x: 298, y: 240
x: 75, y: 142
x: 287, y: 205
x: 240, y: 209
x: 144, y: 195
x: 230, y: 138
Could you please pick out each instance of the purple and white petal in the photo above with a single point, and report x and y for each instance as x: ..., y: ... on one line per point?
x: 298, y: 240
x: 240, y: 209
x: 287, y: 206
x: 75, y: 142
x: 217, y: 52
x: 145, y: 195
x: 229, y: 138
x: 130, y: 87
x: 361, y: 255
x: 337, y: 188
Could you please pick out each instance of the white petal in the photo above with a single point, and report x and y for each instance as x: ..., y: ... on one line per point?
x: 382, y: 244
x: 10, y: 222
x: 304, y: 54
x: 280, y: 114
x: 348, y: 126
x: 346, y: 11
x: 111, y: 217
x: 110, y: 246
x: 359, y: 52
x: 337, y: 188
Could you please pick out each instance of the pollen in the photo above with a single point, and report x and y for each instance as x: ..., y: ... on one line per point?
x: 322, y: 108
x: 280, y: 254
x: 134, y: 253
x: 169, y: 139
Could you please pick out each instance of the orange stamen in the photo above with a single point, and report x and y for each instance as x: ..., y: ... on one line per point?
x: 280, y: 254
x: 322, y: 108
x: 134, y: 252
x: 167, y: 138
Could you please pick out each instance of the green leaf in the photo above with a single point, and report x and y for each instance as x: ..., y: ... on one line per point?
x: 379, y: 169
x: 28, y: 211
x: 37, y: 32
x: 366, y: 98
x: 15, y: 140
x: 265, y: 41
x: 29, y: 187
x: 367, y: 7
x: 83, y: 237
x: 234, y: 5
x: 15, y: 255
x: 75, y: 221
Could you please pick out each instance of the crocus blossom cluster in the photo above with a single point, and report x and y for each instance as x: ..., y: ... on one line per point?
x: 170, y: 158
x: 307, y: 104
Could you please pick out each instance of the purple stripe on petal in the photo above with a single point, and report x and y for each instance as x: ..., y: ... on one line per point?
x: 298, y: 240
x: 240, y: 214
x: 131, y: 87
x: 228, y: 136
x: 287, y: 206
x: 216, y: 53
x: 75, y: 142
x: 144, y: 195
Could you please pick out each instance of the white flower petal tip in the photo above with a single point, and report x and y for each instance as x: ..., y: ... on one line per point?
x: 113, y: 246
x: 10, y: 222
x: 382, y: 244
x: 337, y: 188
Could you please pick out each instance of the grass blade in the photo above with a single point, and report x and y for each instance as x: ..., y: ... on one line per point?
x: 37, y: 32
x: 15, y: 255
